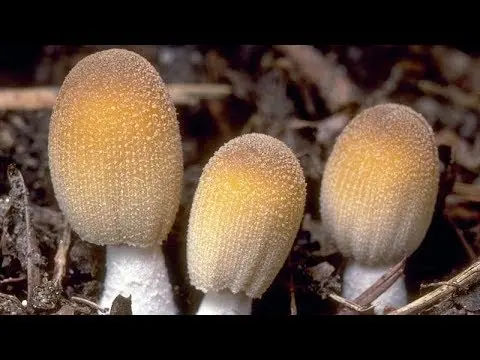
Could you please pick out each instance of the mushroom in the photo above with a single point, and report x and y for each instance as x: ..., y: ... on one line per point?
x: 378, y: 195
x: 116, y: 166
x: 245, y: 215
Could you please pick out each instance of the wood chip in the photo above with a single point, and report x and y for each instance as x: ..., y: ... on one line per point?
x: 38, y: 98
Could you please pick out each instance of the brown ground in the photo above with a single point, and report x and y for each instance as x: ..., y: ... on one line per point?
x: 302, y: 95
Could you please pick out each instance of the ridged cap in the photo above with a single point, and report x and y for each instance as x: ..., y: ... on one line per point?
x: 115, y: 150
x: 380, y: 185
x: 245, y: 215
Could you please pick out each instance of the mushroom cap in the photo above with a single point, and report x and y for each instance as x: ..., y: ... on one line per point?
x: 245, y: 215
x: 115, y: 150
x: 380, y: 185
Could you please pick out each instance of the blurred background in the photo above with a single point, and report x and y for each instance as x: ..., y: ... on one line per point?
x: 303, y: 95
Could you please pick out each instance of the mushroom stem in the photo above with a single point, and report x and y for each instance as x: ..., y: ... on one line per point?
x: 358, y: 277
x: 225, y: 303
x: 141, y: 273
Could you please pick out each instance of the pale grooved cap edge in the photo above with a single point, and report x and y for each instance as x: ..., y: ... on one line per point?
x: 115, y: 150
x: 380, y: 185
x: 245, y: 215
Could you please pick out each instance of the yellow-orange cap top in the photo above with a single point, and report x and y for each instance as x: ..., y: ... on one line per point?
x: 115, y: 150
x: 245, y: 215
x: 380, y: 184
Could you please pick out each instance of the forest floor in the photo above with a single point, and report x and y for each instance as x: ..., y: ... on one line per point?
x: 302, y: 95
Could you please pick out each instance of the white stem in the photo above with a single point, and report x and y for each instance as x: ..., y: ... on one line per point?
x: 357, y: 278
x: 225, y: 303
x: 141, y: 273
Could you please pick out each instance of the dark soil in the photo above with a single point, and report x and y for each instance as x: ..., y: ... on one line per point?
x: 275, y: 92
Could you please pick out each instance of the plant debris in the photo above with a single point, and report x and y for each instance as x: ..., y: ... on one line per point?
x: 26, y: 245
x: 303, y: 95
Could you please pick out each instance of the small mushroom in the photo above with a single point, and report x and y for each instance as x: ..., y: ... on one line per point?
x: 245, y: 215
x: 116, y: 167
x: 378, y: 195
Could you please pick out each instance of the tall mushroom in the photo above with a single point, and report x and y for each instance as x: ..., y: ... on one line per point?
x: 245, y: 215
x: 378, y: 195
x: 116, y: 166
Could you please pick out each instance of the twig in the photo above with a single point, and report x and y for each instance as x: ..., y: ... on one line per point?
x: 468, y: 248
x: 293, y: 303
x: 62, y: 255
x: 468, y: 191
x: 440, y: 283
x: 12, y: 280
x: 379, y: 286
x: 457, y: 210
x: 333, y: 83
x: 27, y: 99
x: 390, y: 85
x: 349, y: 304
x: 382, y: 284
x: 464, y: 280
x: 89, y: 303
x: 190, y: 94
x: 33, y: 252
x: 33, y: 273
x: 452, y: 93
x: 460, y: 189
x: 465, y: 154
x: 327, y: 128
x: 37, y: 98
